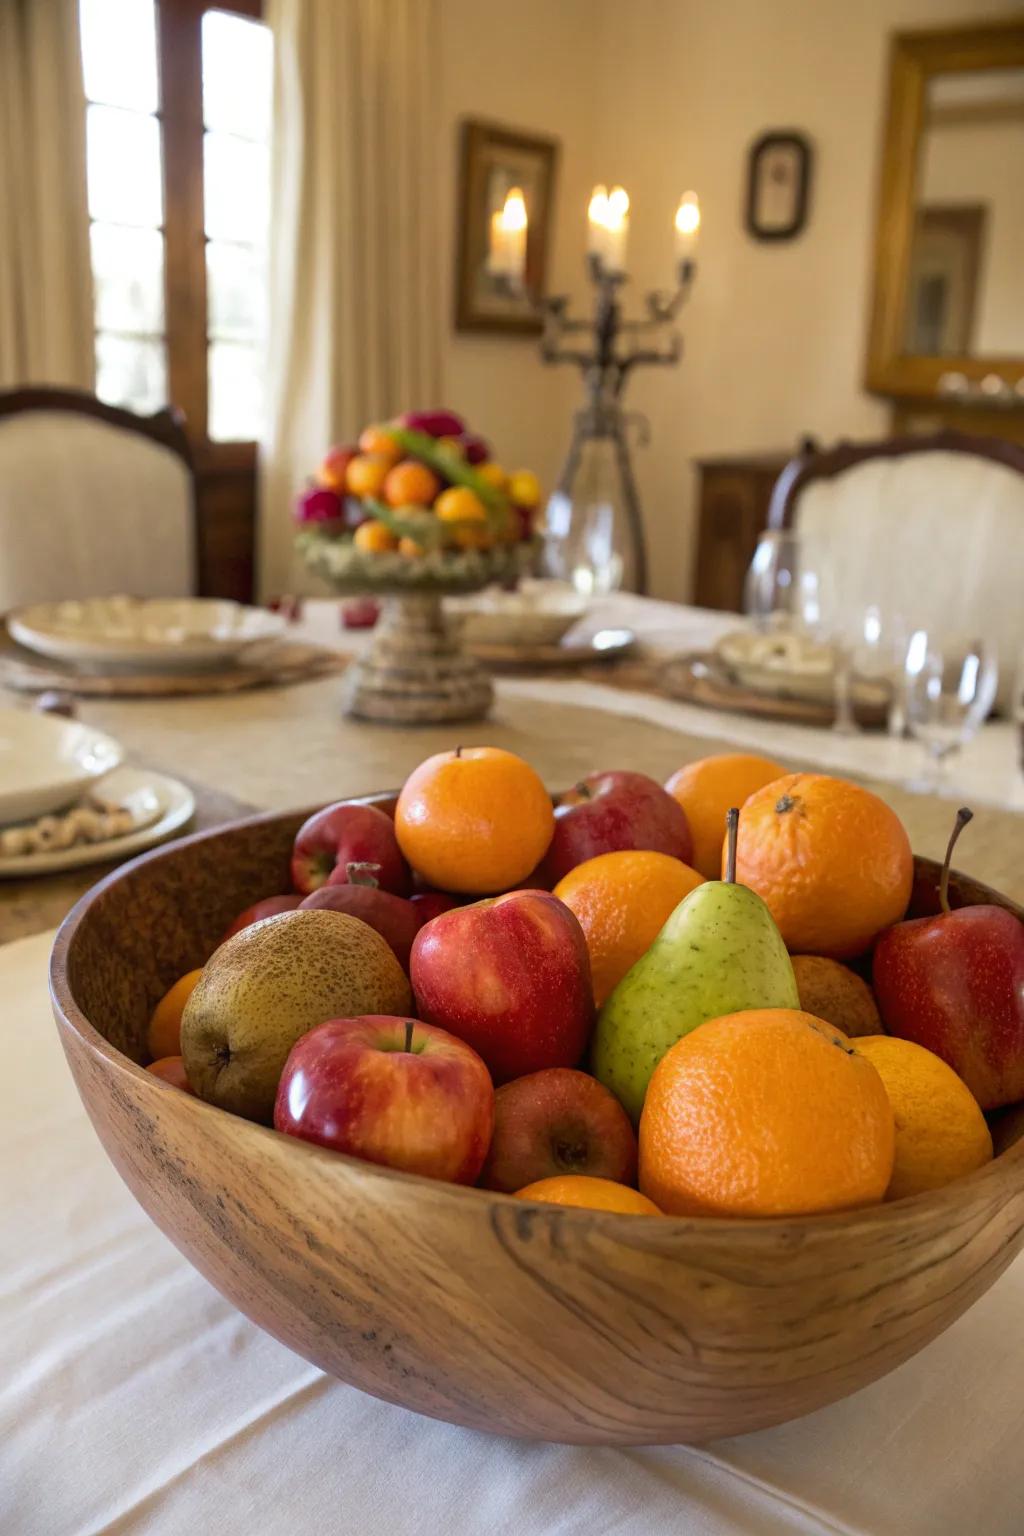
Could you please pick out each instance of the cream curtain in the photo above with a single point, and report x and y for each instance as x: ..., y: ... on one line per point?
x: 46, y: 321
x: 354, y: 302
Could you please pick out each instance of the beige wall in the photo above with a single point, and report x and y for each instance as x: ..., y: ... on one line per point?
x: 663, y: 95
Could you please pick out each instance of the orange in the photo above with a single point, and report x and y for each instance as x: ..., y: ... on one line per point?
x: 410, y: 484
x: 623, y: 901
x: 171, y: 1069
x: 477, y: 820
x: 941, y: 1132
x: 410, y: 548
x: 374, y: 538
x: 366, y: 474
x: 837, y: 995
x: 458, y: 504
x: 830, y: 859
x: 493, y: 474
x: 379, y: 442
x: 524, y: 489
x: 594, y: 1194
x: 163, y: 1033
x: 707, y: 789
x: 765, y: 1113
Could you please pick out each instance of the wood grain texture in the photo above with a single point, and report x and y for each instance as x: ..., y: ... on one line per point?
x: 520, y: 1319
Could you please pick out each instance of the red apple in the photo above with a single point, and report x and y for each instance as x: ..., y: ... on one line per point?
x: 334, y: 466
x: 270, y: 906
x: 319, y: 505
x: 343, y: 834
x: 395, y: 919
x: 613, y: 810
x: 438, y: 423
x: 511, y: 975
x: 955, y: 984
x: 558, y: 1121
x: 392, y: 1091
x: 430, y: 904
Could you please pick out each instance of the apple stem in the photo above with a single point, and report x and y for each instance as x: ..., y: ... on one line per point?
x: 732, y: 827
x: 363, y: 874
x: 583, y: 790
x: 458, y: 751
x: 409, y: 1027
x: 963, y: 816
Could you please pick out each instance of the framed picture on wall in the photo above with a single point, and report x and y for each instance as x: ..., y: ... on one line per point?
x: 778, y: 185
x: 500, y: 272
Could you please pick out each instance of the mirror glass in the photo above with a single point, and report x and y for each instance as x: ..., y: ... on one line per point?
x: 965, y: 287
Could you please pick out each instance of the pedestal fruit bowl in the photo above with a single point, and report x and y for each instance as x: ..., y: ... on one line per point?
x: 540, y: 1321
x: 415, y: 511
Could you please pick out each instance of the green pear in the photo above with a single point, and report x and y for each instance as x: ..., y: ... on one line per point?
x: 719, y: 952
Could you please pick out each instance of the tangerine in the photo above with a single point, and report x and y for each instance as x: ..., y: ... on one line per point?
x: 770, y: 1112
x: 941, y: 1133
x: 379, y: 442
x: 374, y: 538
x: 831, y: 860
x: 410, y: 484
x: 476, y: 820
x: 834, y: 993
x: 580, y: 1189
x: 707, y: 788
x: 623, y: 900
x: 163, y: 1033
x: 366, y: 474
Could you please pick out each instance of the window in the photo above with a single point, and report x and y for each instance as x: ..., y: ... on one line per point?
x: 178, y: 167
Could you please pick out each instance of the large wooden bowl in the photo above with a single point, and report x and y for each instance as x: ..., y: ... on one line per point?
x: 529, y: 1320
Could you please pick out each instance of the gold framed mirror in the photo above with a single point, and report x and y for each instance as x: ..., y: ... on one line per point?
x: 947, y: 316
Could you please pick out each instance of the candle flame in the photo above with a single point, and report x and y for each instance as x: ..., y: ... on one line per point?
x: 688, y: 214
x: 597, y: 211
x: 513, y: 215
x: 618, y: 205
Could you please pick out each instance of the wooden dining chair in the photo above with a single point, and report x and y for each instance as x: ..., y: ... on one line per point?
x: 930, y: 528
x: 94, y: 500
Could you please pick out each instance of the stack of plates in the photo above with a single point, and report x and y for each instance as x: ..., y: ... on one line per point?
x: 49, y: 765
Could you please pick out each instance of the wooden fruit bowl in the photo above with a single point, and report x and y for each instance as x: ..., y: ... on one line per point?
x: 527, y: 1320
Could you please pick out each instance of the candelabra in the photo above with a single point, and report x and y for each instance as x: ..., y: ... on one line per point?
x: 606, y: 348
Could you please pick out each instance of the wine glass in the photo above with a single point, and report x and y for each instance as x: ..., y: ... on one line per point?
x: 771, y: 591
x: 950, y: 689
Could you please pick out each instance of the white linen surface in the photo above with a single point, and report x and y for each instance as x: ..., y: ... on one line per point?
x: 134, y: 1399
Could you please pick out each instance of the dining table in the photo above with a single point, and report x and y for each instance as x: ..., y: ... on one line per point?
x: 135, y: 1399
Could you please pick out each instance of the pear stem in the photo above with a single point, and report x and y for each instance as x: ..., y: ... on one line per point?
x: 409, y: 1027
x: 363, y: 874
x: 963, y: 816
x: 732, y: 827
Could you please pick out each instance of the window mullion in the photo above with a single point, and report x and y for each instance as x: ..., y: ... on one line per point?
x: 181, y: 103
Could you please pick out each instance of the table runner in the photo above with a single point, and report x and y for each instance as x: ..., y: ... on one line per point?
x: 135, y: 1401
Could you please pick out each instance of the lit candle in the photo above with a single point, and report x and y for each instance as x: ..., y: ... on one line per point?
x: 597, y: 223
x: 687, y: 223
x: 515, y: 225
x: 617, y: 229
x: 496, y: 245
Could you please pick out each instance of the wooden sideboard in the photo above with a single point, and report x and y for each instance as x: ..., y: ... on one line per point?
x: 733, y: 496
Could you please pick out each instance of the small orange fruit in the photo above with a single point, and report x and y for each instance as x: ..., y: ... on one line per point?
x: 941, y: 1133
x: 411, y: 484
x: 623, y: 901
x: 163, y: 1033
x: 837, y: 995
x: 453, y: 446
x: 707, y: 789
x: 374, y: 538
x: 477, y: 820
x: 765, y: 1113
x: 831, y: 861
x: 493, y: 474
x: 172, y: 1070
x: 379, y: 442
x: 410, y: 548
x: 524, y: 489
x: 593, y: 1194
x: 366, y: 474
x: 458, y: 504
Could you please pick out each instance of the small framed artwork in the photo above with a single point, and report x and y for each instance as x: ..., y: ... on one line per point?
x: 505, y: 203
x: 778, y: 186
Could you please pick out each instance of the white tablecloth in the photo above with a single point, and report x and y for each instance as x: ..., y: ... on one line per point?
x: 133, y: 1399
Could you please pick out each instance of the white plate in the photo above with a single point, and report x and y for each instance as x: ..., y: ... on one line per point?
x: 175, y: 803
x: 162, y: 634
x: 46, y: 762
x: 537, y: 613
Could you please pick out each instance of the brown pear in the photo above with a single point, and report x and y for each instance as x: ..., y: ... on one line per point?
x: 268, y: 985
